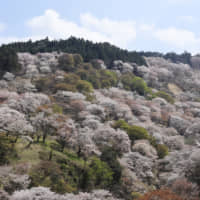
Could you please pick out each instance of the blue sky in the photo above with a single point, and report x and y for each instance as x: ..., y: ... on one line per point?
x: 149, y: 25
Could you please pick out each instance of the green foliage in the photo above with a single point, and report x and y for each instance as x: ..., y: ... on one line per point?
x: 90, y: 97
x: 121, y: 124
x: 66, y: 62
x: 185, y: 57
x: 84, y: 86
x: 6, y: 148
x: 69, y: 83
x: 92, y: 76
x: 165, y: 96
x: 45, y: 84
x: 139, y: 85
x: 108, y: 78
x: 138, y: 133
x: 135, y: 195
x: 110, y: 157
x: 96, y: 64
x: 87, y: 49
x: 8, y: 60
x: 162, y: 150
x: 67, y: 175
x: 135, y: 83
x: 98, y: 174
x: 83, y: 74
x: 49, y: 174
x: 57, y: 109
x: 78, y: 59
x: 134, y: 132
x: 98, y: 78
x: 71, y: 78
x: 65, y: 87
x: 127, y: 79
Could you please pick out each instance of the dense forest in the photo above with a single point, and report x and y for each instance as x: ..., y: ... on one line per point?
x: 176, y: 58
x: 87, y: 49
x: 90, y: 50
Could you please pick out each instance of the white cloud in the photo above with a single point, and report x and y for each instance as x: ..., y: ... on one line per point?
x: 98, y: 30
x: 178, y: 37
x: 7, y: 40
x: 120, y: 33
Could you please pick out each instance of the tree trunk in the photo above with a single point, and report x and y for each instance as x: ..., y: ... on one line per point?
x: 43, y: 138
x: 62, y: 146
x: 29, y: 144
x: 16, y: 139
x: 38, y: 139
x: 50, y: 155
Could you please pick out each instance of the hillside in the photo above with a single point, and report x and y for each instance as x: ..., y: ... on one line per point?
x: 97, y: 127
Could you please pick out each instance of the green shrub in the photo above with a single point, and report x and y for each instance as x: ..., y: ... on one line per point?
x: 165, y: 96
x: 6, y: 148
x: 105, y: 84
x: 110, y: 157
x: 162, y: 150
x: 83, y: 74
x: 137, y: 133
x: 99, y: 174
x: 49, y: 174
x: 96, y: 63
x: 66, y: 62
x: 78, y: 59
x: 94, y: 78
x: 135, y: 83
x: 71, y: 78
x: 91, y: 76
x: 57, y: 109
x: 65, y: 87
x: 150, y: 95
x: 121, y: 124
x: 84, y: 86
x: 139, y: 85
x: 90, y: 97
x: 136, y: 195
x: 108, y: 78
x: 69, y: 84
x: 44, y: 84
x: 98, y: 78
x: 134, y: 132
x: 126, y: 80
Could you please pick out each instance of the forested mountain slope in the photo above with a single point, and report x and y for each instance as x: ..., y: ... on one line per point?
x: 77, y: 127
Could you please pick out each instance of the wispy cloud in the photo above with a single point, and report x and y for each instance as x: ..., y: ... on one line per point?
x: 121, y: 33
x: 98, y: 30
x: 178, y: 37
